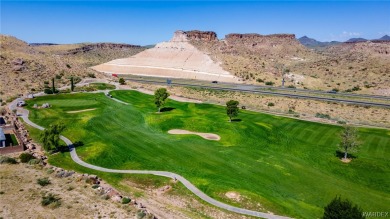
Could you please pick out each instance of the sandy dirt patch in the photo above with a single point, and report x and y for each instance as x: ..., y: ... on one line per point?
x: 347, y: 160
x: 80, y: 111
x: 208, y: 136
x: 233, y: 195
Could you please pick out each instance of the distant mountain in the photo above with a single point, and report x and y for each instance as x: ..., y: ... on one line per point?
x: 43, y: 44
x: 356, y: 40
x: 312, y: 43
x: 384, y: 38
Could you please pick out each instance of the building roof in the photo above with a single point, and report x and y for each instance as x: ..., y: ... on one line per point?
x: 2, y: 136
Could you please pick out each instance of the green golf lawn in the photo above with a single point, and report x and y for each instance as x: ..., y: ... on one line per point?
x: 288, y: 166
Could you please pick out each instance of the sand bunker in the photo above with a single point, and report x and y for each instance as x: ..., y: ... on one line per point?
x: 208, y: 136
x: 80, y: 111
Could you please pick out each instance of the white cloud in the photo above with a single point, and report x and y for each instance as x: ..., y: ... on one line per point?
x: 345, y: 35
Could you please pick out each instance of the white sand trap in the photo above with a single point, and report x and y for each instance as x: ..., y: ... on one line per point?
x: 80, y: 111
x: 208, y: 136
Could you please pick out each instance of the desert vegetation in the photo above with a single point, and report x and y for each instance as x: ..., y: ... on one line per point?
x: 24, y: 68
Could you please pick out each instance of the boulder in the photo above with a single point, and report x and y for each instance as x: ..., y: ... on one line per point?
x: 116, y: 198
x: 18, y: 61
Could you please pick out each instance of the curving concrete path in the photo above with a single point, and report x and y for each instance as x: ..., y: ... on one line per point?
x: 185, y: 182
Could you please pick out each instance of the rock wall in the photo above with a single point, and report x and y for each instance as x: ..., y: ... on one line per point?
x: 101, y: 46
x: 255, y: 36
x: 183, y: 36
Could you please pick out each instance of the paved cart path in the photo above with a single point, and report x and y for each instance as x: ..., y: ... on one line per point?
x: 185, y: 182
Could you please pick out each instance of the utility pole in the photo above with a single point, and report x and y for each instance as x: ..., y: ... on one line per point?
x: 53, y: 87
x: 71, y: 84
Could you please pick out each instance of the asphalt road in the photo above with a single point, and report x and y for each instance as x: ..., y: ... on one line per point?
x: 256, y: 87
x: 273, y: 91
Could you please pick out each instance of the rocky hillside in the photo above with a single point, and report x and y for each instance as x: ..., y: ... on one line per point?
x: 255, y: 57
x: 174, y: 59
x: 24, y: 68
x: 351, y: 67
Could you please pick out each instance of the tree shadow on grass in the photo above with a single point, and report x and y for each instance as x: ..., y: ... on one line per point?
x: 340, y: 155
x: 67, y: 148
x: 236, y: 120
x: 167, y: 109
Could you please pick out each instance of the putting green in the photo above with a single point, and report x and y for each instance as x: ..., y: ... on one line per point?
x: 288, y: 166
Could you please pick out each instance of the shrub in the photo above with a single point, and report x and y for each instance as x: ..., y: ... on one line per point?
x: 271, y: 104
x: 141, y: 214
x: 356, y: 88
x: 26, y: 157
x: 95, y: 186
x: 322, y: 115
x: 34, y: 161
x: 91, y: 75
x: 9, y: 160
x: 52, y: 200
x: 269, y: 83
x: 126, y: 200
x: 260, y: 80
x: 76, y: 80
x: 48, y: 91
x: 341, y: 122
x: 58, y: 76
x: 122, y: 81
x: 338, y: 208
x: 105, y: 197
x: 291, y: 86
x: 43, y: 181
x: 348, y: 90
x: 335, y: 90
x: 50, y: 171
x: 68, y: 66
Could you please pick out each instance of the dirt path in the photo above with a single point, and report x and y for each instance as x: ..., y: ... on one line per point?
x: 208, y: 136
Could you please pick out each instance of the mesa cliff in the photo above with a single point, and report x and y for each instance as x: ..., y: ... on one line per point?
x: 352, y: 67
x: 177, y: 58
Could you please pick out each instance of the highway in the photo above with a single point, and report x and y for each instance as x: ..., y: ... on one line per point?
x: 345, y: 98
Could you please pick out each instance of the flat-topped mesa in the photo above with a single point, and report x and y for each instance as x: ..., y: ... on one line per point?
x: 235, y: 36
x: 183, y: 36
x: 93, y: 46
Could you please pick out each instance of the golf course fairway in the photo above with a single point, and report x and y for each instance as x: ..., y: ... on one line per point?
x: 282, y: 165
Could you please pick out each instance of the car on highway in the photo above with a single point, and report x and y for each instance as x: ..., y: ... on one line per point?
x: 214, y: 82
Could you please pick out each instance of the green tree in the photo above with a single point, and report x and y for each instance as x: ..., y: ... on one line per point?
x: 122, y: 81
x: 349, y: 141
x: 344, y: 209
x: 232, y: 108
x: 160, y: 97
x: 51, y: 136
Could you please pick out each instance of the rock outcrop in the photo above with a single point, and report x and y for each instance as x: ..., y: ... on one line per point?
x: 255, y: 36
x: 184, y: 36
x: 94, y: 46
x: 177, y: 58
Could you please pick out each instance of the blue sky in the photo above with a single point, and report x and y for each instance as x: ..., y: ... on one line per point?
x: 155, y: 21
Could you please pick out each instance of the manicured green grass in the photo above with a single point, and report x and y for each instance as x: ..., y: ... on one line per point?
x: 288, y: 166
